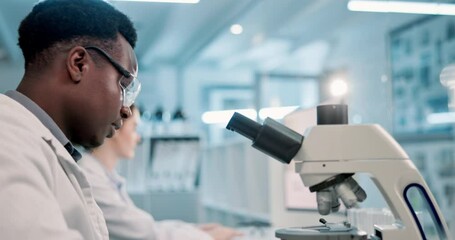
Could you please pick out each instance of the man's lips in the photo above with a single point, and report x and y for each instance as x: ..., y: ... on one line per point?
x: 113, y: 127
x: 117, y: 124
x: 111, y: 132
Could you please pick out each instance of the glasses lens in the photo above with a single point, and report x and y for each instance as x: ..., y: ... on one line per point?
x: 131, y: 88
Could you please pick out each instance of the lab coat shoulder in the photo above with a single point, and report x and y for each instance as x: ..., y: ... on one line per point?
x: 40, y: 192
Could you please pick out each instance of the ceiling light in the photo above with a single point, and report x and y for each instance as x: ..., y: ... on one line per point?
x: 161, y: 1
x: 433, y: 8
x: 338, y: 87
x: 236, y: 29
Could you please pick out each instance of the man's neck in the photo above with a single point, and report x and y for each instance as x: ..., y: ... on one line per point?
x: 50, y: 103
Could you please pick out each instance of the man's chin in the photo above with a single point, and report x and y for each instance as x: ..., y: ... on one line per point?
x: 91, y: 142
x: 94, y: 143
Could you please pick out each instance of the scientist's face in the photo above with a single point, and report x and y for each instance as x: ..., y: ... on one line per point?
x: 127, y: 138
x: 101, y: 108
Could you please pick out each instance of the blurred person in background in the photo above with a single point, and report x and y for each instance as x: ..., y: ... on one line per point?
x: 125, y: 220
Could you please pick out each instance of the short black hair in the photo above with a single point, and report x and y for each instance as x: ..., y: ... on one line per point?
x: 51, y: 22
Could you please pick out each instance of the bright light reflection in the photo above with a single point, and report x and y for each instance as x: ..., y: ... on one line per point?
x: 276, y: 112
x: 236, y: 29
x: 433, y: 8
x: 223, y: 117
x: 441, y: 118
x: 218, y: 117
x: 338, y: 87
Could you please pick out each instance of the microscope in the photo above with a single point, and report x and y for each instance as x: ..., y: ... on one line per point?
x: 327, y: 157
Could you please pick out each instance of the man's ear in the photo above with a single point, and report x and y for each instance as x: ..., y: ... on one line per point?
x: 77, y: 63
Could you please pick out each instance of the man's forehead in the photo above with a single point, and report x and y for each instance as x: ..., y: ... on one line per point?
x: 128, y: 51
x: 132, y: 59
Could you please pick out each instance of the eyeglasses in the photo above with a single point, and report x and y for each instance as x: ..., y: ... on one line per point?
x: 129, y: 84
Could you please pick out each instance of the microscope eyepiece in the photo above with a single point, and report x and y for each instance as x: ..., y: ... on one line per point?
x: 243, y: 125
x: 271, y: 138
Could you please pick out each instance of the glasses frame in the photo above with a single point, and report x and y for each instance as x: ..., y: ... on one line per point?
x: 125, y: 73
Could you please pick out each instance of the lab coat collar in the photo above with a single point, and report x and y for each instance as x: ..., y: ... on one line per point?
x: 46, y: 120
x: 35, y: 126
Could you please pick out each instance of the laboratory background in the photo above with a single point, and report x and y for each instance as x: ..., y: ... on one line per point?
x: 200, y: 61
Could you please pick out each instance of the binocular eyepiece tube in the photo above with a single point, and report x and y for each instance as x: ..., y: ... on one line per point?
x: 271, y: 138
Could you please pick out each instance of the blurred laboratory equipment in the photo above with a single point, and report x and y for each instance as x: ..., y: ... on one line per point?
x: 447, y: 78
x: 173, y: 163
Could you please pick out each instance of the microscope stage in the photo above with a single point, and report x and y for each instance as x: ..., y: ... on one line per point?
x: 321, y: 233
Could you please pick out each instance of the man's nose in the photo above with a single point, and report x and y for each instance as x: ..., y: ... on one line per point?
x: 125, y: 112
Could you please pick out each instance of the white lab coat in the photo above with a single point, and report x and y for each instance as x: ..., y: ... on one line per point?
x: 125, y: 220
x: 43, y: 192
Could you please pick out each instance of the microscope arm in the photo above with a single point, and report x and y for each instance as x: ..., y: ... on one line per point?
x: 333, y: 149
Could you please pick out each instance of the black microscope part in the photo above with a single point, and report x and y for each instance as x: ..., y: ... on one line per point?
x: 243, y: 125
x: 271, y: 138
x: 332, y: 114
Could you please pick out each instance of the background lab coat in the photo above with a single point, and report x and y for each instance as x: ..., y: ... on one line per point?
x: 43, y: 192
x: 124, y: 220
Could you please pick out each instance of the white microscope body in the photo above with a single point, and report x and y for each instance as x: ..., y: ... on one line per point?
x: 328, y: 151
